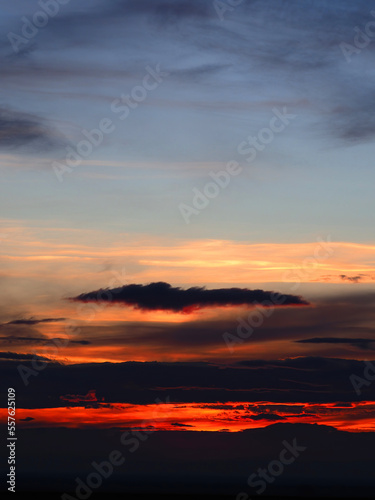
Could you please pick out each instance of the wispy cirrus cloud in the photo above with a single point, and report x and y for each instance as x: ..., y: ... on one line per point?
x: 24, y: 130
x: 32, y: 321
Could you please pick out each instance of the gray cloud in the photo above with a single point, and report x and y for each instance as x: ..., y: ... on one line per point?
x: 22, y: 130
x: 356, y: 342
x: 15, y: 356
x: 296, y: 42
x: 353, y: 279
x: 10, y: 339
x: 32, y: 321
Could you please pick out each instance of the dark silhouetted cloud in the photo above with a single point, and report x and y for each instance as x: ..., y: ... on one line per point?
x: 14, y: 356
x: 177, y: 424
x: 353, y: 279
x: 39, y: 340
x: 361, y: 343
x: 162, y: 296
x: 267, y: 416
x: 32, y: 321
x: 298, y: 380
x: 79, y: 398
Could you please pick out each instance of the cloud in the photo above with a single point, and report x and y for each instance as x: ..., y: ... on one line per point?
x: 199, y: 337
x: 78, y: 398
x: 40, y: 340
x: 32, y: 321
x: 357, y: 278
x: 14, y: 356
x: 177, y: 424
x: 162, y: 296
x: 23, y: 332
x: 353, y: 279
x: 267, y: 416
x: 352, y: 114
x: 356, y: 342
x: 298, y: 380
x: 257, y: 44
x: 19, y: 130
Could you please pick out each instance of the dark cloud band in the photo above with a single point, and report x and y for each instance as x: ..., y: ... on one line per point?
x: 356, y: 342
x: 33, y: 321
x: 162, y: 296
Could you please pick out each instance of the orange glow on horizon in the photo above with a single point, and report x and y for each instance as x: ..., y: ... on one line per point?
x: 233, y: 417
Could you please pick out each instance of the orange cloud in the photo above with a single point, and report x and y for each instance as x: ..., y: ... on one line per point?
x: 32, y: 251
x: 234, y: 417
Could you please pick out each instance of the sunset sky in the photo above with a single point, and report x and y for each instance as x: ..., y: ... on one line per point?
x: 222, y: 161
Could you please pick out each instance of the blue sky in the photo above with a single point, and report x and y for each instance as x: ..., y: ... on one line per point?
x: 224, y: 79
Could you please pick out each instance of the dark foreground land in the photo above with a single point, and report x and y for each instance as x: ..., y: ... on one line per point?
x: 149, y: 496
x: 188, y: 464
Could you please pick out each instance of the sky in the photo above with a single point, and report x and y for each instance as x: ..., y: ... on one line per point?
x: 187, y: 192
